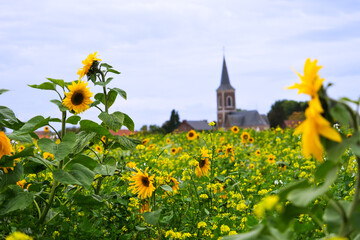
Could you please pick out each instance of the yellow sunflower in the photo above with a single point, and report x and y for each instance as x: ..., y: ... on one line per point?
x: 257, y: 152
x: 21, y: 148
x: 88, y: 62
x: 21, y: 183
x: 47, y: 155
x: 18, y: 235
x: 235, y: 129
x: 145, y: 141
x: 78, y: 99
x: 103, y: 138
x: 271, y: 159
x: 174, y: 184
x: 5, y: 149
x: 173, y: 151
x: 191, y: 135
x: 203, y: 167
x: 98, y: 148
x: 245, y: 137
x: 142, y: 184
x: 131, y: 164
x: 251, y: 140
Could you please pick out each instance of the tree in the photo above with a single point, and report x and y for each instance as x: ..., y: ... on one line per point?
x: 173, y: 123
x: 282, y: 109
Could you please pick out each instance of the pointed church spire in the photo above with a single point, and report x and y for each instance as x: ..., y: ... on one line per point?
x: 225, y: 82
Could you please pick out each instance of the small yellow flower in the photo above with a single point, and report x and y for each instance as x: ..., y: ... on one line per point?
x: 18, y: 236
x: 201, y: 225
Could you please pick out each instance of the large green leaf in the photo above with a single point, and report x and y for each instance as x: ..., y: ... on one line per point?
x: 103, y: 84
x: 92, y: 201
x: 253, y: 234
x: 106, y: 169
x: 73, y: 119
x: 17, y: 200
x: 83, y: 160
x: 21, y: 137
x: 47, y: 145
x: 66, y: 146
x: 59, y: 82
x: 332, y: 216
x: 79, y: 175
x: 12, y: 176
x: 111, y: 97
x: 59, y: 104
x: 90, y: 126
x: 340, y: 114
x: 121, y: 92
x: 152, y: 217
x: 302, y: 197
x: 82, y: 140
x: 114, y: 120
x: 8, y: 118
x: 128, y: 122
x: 33, y: 124
x: 126, y: 143
x: 8, y: 160
x: 44, y: 86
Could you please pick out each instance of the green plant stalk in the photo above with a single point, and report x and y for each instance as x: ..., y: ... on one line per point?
x: 55, y: 183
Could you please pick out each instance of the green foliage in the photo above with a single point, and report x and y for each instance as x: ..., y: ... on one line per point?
x: 174, y: 122
x: 281, y: 110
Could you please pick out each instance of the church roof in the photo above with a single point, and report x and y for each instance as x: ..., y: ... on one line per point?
x: 198, y: 125
x: 225, y: 82
x: 247, y: 119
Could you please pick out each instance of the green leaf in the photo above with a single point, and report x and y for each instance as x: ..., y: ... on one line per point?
x: 92, y: 201
x: 31, y: 167
x: 100, y: 97
x: 47, y: 145
x: 111, y: 97
x: 82, y: 140
x: 55, y: 120
x: 33, y: 124
x: 83, y: 160
x: 44, y: 86
x: 8, y: 160
x: 12, y: 176
x: 79, y: 175
x: 59, y: 104
x: 103, y: 84
x: 152, y: 217
x: 113, y: 71
x: 90, y: 126
x: 340, y: 114
x: 21, y: 137
x: 253, y: 234
x: 41, y: 161
x: 95, y: 103
x: 332, y: 216
x: 3, y: 90
x: 105, y: 65
x: 73, y: 119
x: 114, y: 121
x: 59, y: 82
x: 166, y: 188
x: 17, y: 201
x: 107, y: 169
x: 7, y: 114
x: 129, y: 123
x: 65, y: 146
x: 121, y: 92
x: 302, y: 197
x: 126, y: 143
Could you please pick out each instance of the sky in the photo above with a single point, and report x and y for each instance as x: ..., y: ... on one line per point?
x: 170, y: 53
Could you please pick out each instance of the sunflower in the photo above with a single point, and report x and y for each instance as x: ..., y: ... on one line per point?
x: 235, y: 129
x: 103, y: 138
x: 174, y: 184
x: 78, y: 99
x: 145, y: 141
x: 168, y: 141
x: 21, y: 183
x: 88, y: 62
x: 251, y: 140
x: 142, y: 184
x: 151, y: 146
x: 257, y: 152
x: 98, y: 148
x: 202, y: 167
x: 245, y: 137
x: 46, y: 129
x: 252, y: 166
x: 179, y: 149
x: 271, y: 159
x: 229, y: 150
x: 145, y: 207
x: 173, y: 151
x: 191, y: 135
x: 5, y: 149
x: 47, y: 155
x: 131, y: 164
x: 21, y: 148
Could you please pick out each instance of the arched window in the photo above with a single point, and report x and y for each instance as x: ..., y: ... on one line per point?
x: 229, y: 101
x: 219, y: 102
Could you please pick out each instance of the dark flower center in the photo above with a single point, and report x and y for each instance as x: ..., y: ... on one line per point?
x: 145, y: 181
x: 246, y: 136
x: 77, y: 98
x: 191, y: 134
x: 202, y: 163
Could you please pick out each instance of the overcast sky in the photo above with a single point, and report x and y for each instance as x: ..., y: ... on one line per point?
x: 170, y: 52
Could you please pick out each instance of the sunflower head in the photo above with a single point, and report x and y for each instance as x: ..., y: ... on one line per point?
x: 46, y: 129
x: 173, y: 150
x: 245, y: 136
x: 91, y: 60
x: 203, y: 167
x: 142, y: 184
x: 5, y: 145
x: 78, y: 99
x: 98, y: 148
x: 235, y: 129
x: 191, y: 135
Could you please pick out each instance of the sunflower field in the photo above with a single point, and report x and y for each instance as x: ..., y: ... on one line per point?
x: 222, y: 184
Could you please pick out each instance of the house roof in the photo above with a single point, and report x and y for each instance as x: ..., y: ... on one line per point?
x: 247, y: 118
x: 122, y: 132
x: 225, y: 81
x: 198, y: 125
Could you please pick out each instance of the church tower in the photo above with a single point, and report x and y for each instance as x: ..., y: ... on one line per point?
x: 225, y: 99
